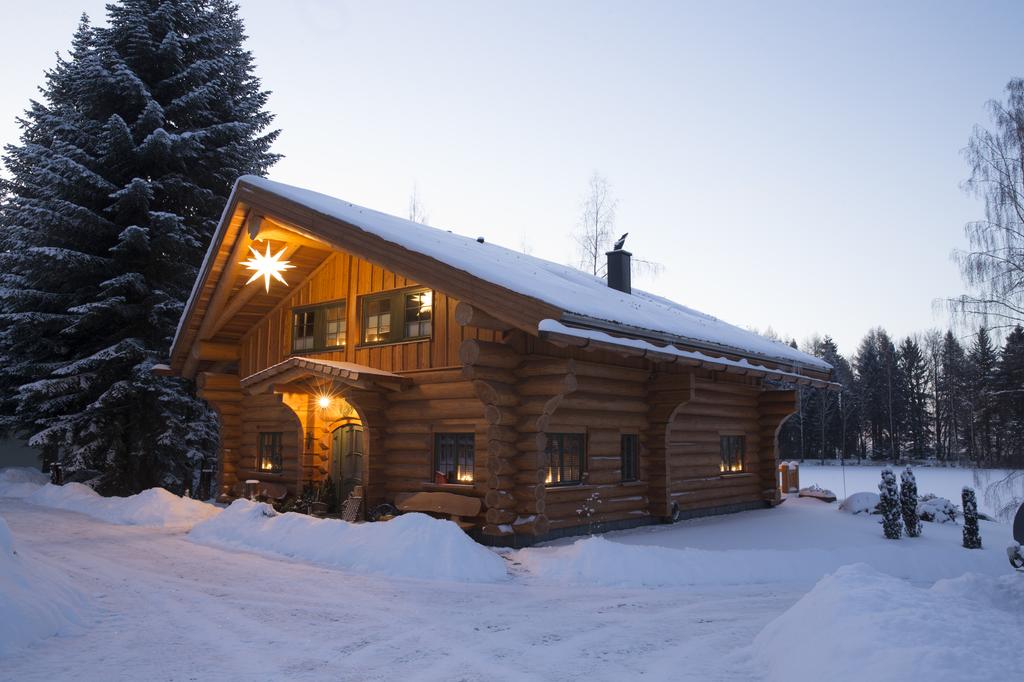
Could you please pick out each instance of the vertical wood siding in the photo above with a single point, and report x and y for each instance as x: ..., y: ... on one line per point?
x: 343, y: 276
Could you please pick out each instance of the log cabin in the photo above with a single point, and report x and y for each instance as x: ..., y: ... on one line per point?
x: 397, y: 358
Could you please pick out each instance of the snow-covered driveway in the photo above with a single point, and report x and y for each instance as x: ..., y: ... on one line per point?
x: 165, y: 608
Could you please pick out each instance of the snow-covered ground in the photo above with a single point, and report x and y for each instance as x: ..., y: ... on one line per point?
x: 802, y: 591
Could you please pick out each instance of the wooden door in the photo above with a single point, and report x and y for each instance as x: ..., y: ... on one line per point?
x: 347, y: 459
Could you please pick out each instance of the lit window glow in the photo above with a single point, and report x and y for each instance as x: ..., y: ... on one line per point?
x: 266, y: 266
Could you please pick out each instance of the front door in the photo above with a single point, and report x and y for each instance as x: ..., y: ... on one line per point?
x: 347, y: 459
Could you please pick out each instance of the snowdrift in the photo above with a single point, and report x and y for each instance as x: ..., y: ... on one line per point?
x: 21, y: 481
x: 600, y: 561
x: 858, y: 624
x: 409, y: 546
x: 860, y: 503
x: 34, y: 601
x: 153, y: 507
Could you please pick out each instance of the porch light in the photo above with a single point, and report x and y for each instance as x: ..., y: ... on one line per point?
x: 266, y: 266
x: 324, y: 402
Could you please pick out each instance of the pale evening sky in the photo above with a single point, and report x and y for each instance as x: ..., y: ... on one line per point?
x: 793, y: 164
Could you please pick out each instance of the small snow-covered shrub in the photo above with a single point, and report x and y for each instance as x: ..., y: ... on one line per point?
x: 908, y: 503
x: 972, y: 536
x: 860, y: 503
x: 935, y: 509
x: 889, y: 506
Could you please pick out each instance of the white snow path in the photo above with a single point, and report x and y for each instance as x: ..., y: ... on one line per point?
x: 164, y: 608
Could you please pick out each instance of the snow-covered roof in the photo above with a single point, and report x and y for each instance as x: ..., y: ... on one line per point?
x: 583, y: 296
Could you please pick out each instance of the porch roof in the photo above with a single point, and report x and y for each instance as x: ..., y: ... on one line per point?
x: 297, y: 367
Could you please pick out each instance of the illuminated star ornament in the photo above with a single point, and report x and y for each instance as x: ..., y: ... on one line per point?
x: 266, y: 266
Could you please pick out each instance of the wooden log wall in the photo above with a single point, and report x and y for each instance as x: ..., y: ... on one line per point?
x: 439, y: 401
x: 720, y: 406
x: 344, y: 276
x: 489, y: 367
x: 775, y: 407
x: 667, y: 393
x: 267, y: 412
x: 608, y: 401
x: 543, y: 384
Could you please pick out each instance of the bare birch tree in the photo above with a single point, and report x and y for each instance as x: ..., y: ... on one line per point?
x: 595, y: 232
x: 993, y: 268
x: 417, y: 211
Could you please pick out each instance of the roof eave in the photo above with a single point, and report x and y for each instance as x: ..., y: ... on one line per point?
x: 575, y: 319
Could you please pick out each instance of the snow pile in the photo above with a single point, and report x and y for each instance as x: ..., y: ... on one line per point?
x: 409, y: 546
x: 154, y: 507
x: 21, y: 481
x: 936, y: 509
x: 34, y: 602
x: 860, y: 503
x: 858, y: 624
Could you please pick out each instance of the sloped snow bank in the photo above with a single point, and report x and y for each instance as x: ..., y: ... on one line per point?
x: 599, y: 561
x: 408, y: 546
x: 21, y: 481
x: 34, y: 601
x: 153, y: 507
x: 858, y: 624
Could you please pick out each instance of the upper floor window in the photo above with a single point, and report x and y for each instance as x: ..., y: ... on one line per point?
x: 376, y: 320
x: 733, y: 453
x: 319, y: 327
x: 630, y: 454
x: 566, y: 453
x: 394, y: 316
x: 418, y: 309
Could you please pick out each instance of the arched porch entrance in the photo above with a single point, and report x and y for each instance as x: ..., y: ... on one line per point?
x: 341, y: 407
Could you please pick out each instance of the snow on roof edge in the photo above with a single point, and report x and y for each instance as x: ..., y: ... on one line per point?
x: 554, y: 326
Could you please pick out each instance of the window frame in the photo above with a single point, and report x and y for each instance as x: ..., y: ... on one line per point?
x: 561, y: 436
x: 629, y: 474
x: 726, y: 466
x: 397, y: 303
x: 319, y: 312
x: 461, y: 438
x: 274, y: 441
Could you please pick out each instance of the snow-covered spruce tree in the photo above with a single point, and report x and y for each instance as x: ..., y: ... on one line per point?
x: 889, y: 505
x: 972, y: 535
x: 908, y: 503
x: 115, y: 188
